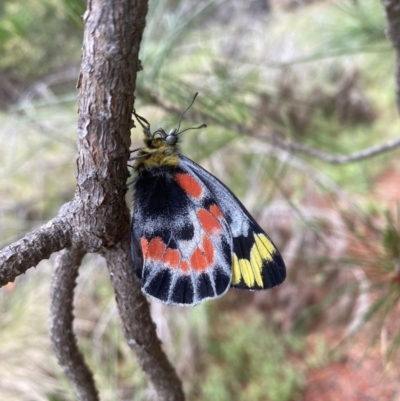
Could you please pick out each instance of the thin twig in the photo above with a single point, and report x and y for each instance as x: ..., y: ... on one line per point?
x: 277, y: 139
x: 18, y: 257
x: 61, y: 320
x: 139, y: 329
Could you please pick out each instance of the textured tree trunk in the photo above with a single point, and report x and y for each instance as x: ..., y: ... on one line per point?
x: 97, y: 219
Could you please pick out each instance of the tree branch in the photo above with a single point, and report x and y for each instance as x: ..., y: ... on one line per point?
x: 97, y: 220
x: 277, y: 139
x: 139, y: 329
x: 392, y: 9
x: 18, y: 257
x: 61, y: 319
x: 113, y: 31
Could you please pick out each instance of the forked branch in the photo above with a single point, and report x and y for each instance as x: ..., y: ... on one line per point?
x: 61, y: 324
x: 97, y: 220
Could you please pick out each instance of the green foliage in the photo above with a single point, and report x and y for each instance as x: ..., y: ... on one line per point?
x: 326, y: 104
x: 24, y: 336
x: 38, y: 154
x: 100, y: 336
x: 391, y: 236
x: 165, y: 31
x: 354, y: 26
x: 74, y: 10
x: 387, y: 283
x: 246, y: 360
x: 36, y: 38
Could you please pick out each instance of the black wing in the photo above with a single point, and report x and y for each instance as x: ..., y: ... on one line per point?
x: 256, y: 262
x: 181, y: 246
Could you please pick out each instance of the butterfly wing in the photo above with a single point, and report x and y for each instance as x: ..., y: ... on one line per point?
x: 256, y: 262
x: 180, y: 241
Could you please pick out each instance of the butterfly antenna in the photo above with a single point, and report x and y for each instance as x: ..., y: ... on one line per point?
x: 190, y: 105
x: 187, y: 129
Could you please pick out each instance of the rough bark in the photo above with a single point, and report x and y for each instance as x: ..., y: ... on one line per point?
x: 18, y: 257
x: 61, y: 322
x: 139, y: 329
x: 97, y: 220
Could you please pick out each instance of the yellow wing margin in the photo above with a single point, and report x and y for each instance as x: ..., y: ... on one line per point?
x: 256, y: 263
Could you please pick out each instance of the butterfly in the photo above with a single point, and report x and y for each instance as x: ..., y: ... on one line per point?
x: 191, y: 237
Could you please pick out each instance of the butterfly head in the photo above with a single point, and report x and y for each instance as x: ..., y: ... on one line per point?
x: 159, y: 137
x: 161, y: 147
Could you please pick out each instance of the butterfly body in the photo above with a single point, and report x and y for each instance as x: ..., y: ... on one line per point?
x: 191, y: 238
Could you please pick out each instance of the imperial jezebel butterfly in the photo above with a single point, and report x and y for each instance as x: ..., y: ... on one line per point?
x: 191, y: 237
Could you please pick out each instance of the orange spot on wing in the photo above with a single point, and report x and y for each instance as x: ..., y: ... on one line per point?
x: 198, y: 260
x: 209, y: 223
x: 145, y: 246
x: 189, y: 184
x: 216, y: 212
x: 185, y: 267
x: 156, y: 248
x: 208, y: 249
x: 172, y: 257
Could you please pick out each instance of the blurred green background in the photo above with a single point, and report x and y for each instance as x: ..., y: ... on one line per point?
x: 319, y: 73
